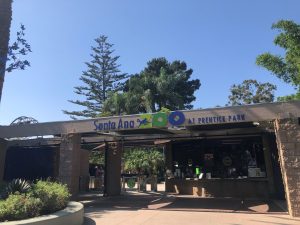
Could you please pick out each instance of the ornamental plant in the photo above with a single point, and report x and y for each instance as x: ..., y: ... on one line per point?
x: 54, y: 195
x: 40, y: 198
x: 18, y: 185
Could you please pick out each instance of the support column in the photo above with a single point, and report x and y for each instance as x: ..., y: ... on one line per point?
x: 69, y: 162
x: 288, y: 141
x: 3, y: 145
x: 268, y: 162
x: 169, y: 166
x: 84, y: 170
x: 112, y: 179
x: 168, y: 155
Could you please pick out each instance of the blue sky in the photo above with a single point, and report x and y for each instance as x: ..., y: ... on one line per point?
x: 219, y: 40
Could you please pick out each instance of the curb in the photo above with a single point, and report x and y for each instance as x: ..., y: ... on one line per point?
x: 72, y: 214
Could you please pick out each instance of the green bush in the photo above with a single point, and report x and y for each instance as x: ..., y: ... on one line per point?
x: 54, y: 196
x: 42, y: 198
x: 19, y: 206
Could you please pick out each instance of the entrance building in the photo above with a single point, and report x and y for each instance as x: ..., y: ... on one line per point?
x: 248, y: 151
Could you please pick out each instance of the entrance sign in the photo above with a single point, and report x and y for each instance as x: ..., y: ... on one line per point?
x: 163, y: 120
x: 188, y: 118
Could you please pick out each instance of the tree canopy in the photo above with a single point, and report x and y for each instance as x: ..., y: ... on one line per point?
x: 142, y: 160
x: 287, y: 67
x: 161, y: 84
x: 251, y: 91
x: 102, y: 77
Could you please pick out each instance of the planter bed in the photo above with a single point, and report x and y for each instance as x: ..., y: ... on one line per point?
x: 71, y: 215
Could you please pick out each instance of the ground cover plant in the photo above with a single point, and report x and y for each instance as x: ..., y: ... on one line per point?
x: 22, y: 200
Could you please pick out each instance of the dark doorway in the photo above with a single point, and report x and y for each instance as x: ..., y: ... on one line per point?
x: 31, y: 163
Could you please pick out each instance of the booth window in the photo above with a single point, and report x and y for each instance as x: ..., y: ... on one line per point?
x: 219, y: 158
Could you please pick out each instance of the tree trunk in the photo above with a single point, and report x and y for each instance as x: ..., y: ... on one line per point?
x: 5, y: 21
x: 153, y: 183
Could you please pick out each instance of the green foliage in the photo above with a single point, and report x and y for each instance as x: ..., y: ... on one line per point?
x: 42, y: 198
x: 289, y: 97
x: 140, y: 160
x: 54, y: 196
x: 160, y: 85
x: 116, y: 104
x: 18, y: 185
x: 165, y: 110
x: 285, y: 67
x: 97, y: 157
x: 101, y: 78
x: 19, y: 206
x: 251, y: 91
x: 166, y: 85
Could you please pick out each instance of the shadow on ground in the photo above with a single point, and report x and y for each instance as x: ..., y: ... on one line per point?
x: 159, y: 201
x: 89, y: 221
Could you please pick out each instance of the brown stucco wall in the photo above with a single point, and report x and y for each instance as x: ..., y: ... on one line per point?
x: 288, y: 142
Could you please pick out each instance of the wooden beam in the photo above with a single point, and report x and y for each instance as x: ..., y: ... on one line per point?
x: 162, y: 142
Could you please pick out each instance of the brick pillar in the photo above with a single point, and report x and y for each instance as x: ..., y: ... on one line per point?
x: 3, y: 149
x: 112, y: 179
x: 288, y: 141
x: 84, y: 170
x: 69, y: 161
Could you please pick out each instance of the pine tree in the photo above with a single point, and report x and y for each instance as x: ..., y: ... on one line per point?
x: 101, y: 78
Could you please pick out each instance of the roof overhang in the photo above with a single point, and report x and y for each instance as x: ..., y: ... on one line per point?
x: 173, y: 123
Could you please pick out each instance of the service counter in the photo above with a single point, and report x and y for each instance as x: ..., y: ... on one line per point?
x: 219, y: 187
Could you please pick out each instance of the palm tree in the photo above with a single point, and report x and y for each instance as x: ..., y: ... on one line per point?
x: 5, y: 21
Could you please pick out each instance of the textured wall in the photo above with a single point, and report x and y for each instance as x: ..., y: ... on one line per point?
x: 69, y: 161
x: 288, y: 142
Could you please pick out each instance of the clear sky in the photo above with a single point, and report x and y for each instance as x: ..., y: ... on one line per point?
x: 218, y: 39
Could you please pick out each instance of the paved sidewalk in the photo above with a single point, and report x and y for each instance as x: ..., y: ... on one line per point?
x: 159, y: 209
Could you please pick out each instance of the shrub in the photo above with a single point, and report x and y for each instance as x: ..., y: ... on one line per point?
x: 54, y: 196
x: 42, y: 198
x: 19, y: 206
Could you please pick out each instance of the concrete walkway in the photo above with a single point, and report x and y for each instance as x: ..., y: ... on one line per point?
x: 154, y: 208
